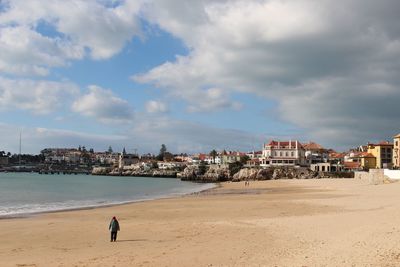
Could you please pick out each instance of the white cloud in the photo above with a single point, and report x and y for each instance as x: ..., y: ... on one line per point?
x: 154, y: 106
x: 80, y: 27
x: 26, y: 52
x: 333, y: 74
x: 39, y: 97
x: 104, y: 106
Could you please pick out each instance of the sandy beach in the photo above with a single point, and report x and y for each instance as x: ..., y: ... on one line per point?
x: 338, y: 222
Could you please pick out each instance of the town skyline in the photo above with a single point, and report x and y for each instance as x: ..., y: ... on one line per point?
x: 197, y: 75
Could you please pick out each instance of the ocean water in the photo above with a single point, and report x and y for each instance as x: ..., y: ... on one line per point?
x: 27, y: 193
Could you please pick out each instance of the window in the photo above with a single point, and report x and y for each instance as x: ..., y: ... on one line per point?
x: 292, y: 154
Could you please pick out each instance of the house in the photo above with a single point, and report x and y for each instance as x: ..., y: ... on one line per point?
x: 228, y: 157
x: 283, y: 153
x: 352, y: 166
x: 213, y: 160
x: 366, y: 160
x: 315, y: 153
x: 254, y: 162
x: 127, y: 159
x: 326, y: 167
x: 383, y: 152
x: 336, y: 158
x: 396, y: 151
x: 255, y: 154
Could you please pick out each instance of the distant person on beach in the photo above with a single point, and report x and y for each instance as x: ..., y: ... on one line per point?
x: 114, y: 228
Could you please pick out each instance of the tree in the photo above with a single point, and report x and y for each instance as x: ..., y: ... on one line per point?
x: 163, y: 150
x: 91, y: 150
x: 235, y: 167
x: 110, y: 150
x: 202, y: 168
x: 244, y: 159
x: 124, y: 151
x: 213, y: 154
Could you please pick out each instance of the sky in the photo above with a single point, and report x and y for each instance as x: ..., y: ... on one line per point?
x: 197, y: 75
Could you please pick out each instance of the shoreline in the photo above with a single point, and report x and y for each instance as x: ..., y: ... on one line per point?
x: 171, y: 196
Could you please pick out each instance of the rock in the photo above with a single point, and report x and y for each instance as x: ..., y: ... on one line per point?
x: 217, y: 173
x: 190, y: 173
x: 245, y: 174
x: 101, y: 170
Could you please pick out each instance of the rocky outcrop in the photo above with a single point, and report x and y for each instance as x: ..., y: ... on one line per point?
x: 139, y: 172
x: 284, y: 173
x: 101, y: 170
x: 217, y: 173
x: 210, y: 173
x: 245, y: 174
x: 190, y: 173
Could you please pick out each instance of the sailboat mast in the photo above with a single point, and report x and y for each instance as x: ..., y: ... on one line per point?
x: 20, y: 143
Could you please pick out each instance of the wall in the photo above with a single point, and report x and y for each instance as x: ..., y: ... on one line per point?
x: 374, y: 176
x: 392, y: 174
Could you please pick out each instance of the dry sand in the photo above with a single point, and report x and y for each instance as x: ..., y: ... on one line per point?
x: 340, y: 222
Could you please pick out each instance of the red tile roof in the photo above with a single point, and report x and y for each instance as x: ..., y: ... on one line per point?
x: 312, y: 146
x: 336, y: 155
x: 352, y: 165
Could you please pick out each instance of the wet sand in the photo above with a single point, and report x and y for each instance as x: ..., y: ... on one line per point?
x: 337, y: 222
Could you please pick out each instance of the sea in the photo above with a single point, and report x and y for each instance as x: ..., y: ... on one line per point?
x: 30, y: 193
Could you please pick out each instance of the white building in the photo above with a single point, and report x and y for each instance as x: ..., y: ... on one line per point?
x: 283, y: 153
x: 210, y: 160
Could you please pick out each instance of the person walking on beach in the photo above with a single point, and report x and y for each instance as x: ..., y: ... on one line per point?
x: 114, y: 228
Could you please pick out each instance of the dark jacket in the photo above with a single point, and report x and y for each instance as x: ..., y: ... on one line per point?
x: 114, y: 225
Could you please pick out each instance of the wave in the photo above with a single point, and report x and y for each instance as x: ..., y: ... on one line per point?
x: 23, y: 210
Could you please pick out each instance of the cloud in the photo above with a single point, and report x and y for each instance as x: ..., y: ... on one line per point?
x: 154, y: 106
x: 37, y: 96
x: 332, y: 74
x: 34, y: 139
x: 146, y: 135
x: 104, y: 106
x: 95, y: 28
x: 182, y: 136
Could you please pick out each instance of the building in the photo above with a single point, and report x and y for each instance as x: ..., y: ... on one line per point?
x: 326, y: 167
x: 352, y: 166
x: 383, y: 152
x: 336, y: 158
x: 315, y: 153
x: 366, y: 160
x: 396, y: 151
x: 283, y: 153
x: 213, y: 160
x: 228, y: 157
x: 127, y: 159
